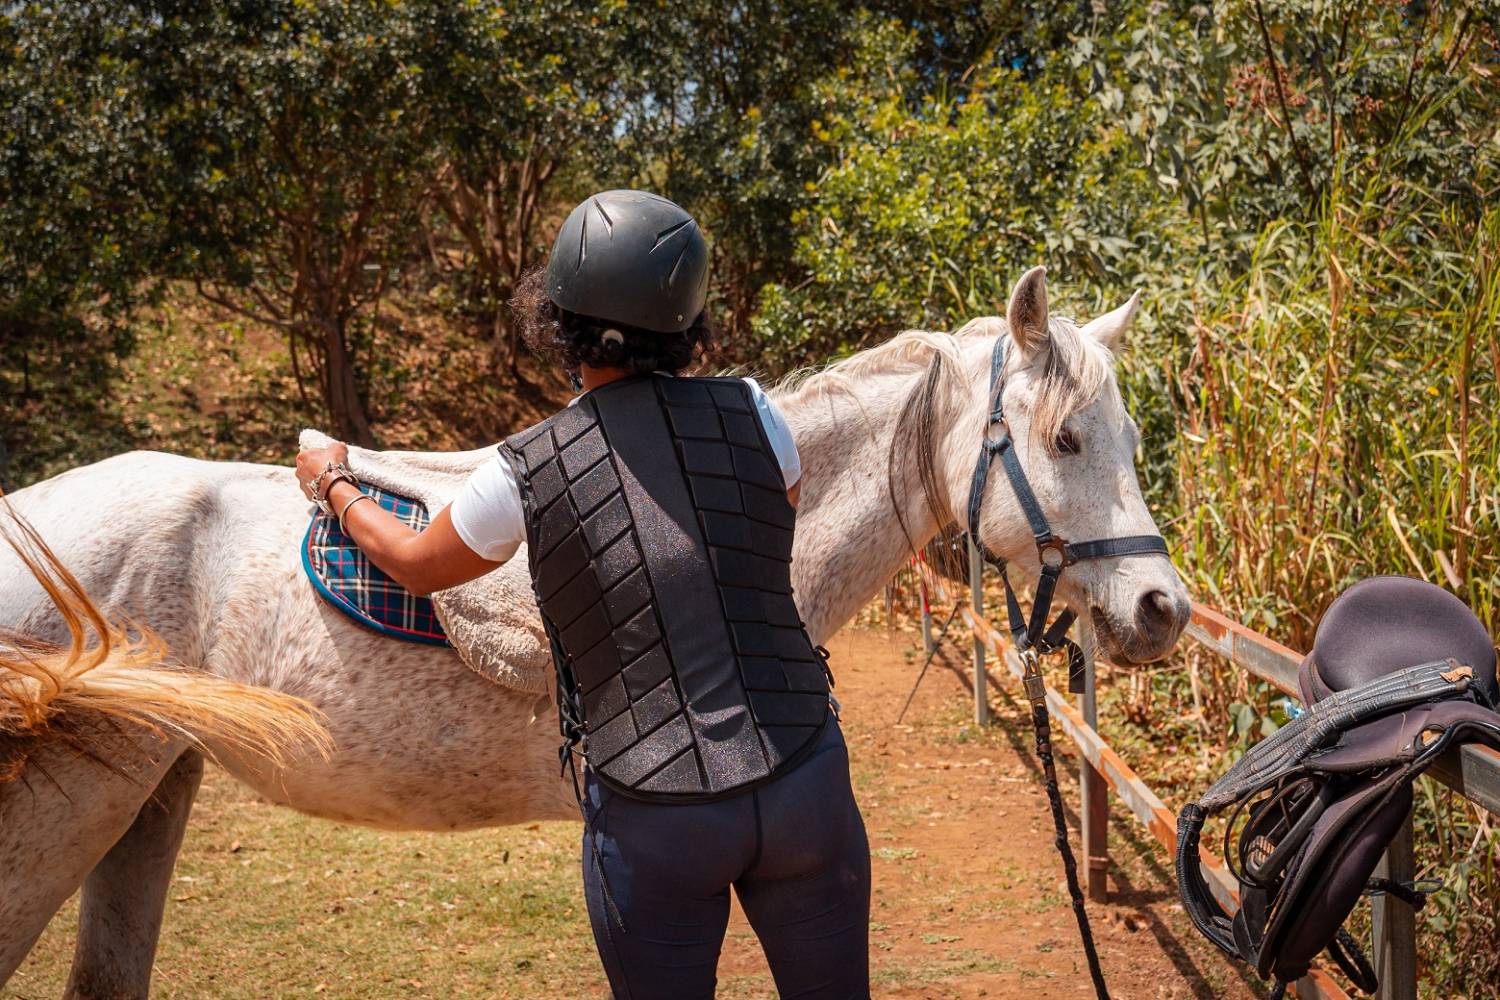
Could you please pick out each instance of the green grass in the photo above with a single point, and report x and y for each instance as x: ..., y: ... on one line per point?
x: 266, y: 902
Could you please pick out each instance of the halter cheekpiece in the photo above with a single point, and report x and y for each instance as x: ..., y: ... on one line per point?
x: 1054, y: 553
x: 1033, y: 637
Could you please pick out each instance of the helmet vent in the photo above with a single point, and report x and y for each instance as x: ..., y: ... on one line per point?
x: 672, y: 277
x: 667, y: 234
x: 609, y: 224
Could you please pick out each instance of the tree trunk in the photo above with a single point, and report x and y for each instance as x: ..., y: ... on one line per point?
x: 341, y: 392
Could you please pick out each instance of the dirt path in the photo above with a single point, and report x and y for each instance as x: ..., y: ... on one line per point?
x: 969, y: 899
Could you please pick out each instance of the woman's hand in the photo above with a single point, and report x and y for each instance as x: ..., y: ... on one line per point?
x: 433, y: 559
x: 311, y: 461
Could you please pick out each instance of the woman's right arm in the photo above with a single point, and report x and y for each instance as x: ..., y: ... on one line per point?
x: 434, y: 558
x: 444, y: 554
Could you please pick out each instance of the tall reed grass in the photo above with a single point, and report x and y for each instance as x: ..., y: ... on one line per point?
x: 1337, y: 419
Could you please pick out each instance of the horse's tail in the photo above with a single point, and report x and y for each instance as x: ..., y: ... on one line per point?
x: 112, y: 671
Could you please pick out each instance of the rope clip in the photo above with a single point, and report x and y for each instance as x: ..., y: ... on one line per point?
x: 1031, y: 677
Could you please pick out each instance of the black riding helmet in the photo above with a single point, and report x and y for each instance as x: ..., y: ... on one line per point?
x: 632, y: 258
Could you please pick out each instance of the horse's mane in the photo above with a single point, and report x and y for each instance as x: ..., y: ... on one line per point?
x: 1073, y: 371
x: 906, y: 352
x: 1069, y: 376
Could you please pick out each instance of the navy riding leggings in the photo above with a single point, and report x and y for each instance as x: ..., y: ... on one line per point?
x: 795, y: 851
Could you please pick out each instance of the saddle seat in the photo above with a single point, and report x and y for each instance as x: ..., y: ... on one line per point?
x: 1387, y: 623
x: 1399, y: 671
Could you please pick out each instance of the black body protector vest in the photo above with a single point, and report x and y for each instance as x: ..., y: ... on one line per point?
x: 659, y: 537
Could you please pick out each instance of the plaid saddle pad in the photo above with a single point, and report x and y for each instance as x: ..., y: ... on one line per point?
x: 346, y: 578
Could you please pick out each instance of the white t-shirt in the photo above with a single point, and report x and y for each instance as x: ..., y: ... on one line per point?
x: 487, y: 512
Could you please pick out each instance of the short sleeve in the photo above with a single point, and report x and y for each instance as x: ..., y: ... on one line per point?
x: 779, y: 434
x: 487, y: 513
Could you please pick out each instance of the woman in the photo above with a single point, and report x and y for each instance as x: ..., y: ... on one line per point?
x: 658, y: 514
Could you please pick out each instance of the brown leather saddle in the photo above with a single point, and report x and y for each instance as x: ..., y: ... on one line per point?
x: 1400, y: 671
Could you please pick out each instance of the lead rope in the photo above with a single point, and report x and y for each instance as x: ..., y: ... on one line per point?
x: 1036, y: 693
x: 1034, y: 638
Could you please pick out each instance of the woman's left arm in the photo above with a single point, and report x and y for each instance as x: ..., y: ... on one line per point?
x: 434, y: 558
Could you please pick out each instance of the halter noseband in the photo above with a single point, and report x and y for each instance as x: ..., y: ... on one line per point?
x: 1054, y: 553
x: 1034, y: 639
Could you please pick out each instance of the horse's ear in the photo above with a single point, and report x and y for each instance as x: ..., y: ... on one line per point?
x: 1027, y: 313
x: 1110, y: 328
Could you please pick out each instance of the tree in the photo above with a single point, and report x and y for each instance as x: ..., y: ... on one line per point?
x: 930, y: 211
x: 513, y: 107
x: 726, y: 101
x: 313, y: 145
x: 79, y: 236
x: 273, y: 154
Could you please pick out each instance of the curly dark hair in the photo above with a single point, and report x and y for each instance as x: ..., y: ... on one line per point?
x: 557, y: 335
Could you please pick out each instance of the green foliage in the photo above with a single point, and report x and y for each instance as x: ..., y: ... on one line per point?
x: 76, y: 227
x: 514, y: 111
x: 727, y: 98
x: 1305, y: 192
x: 1249, y: 112
x: 929, y: 214
x: 273, y: 153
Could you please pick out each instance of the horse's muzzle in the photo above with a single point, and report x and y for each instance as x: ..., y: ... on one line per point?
x: 1151, y: 633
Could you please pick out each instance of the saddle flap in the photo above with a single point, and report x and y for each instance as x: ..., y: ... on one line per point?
x: 1404, y: 736
x: 1332, y: 872
x: 1379, y: 743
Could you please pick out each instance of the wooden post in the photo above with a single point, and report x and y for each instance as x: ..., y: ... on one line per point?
x: 1094, y: 811
x: 926, y: 598
x: 1394, y: 925
x: 976, y: 593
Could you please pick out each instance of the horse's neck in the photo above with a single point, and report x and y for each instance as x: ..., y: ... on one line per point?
x: 849, y: 539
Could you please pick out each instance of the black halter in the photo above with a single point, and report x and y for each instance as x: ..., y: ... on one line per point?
x: 1033, y: 638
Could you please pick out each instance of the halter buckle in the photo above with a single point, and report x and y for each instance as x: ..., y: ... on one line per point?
x: 1053, y: 553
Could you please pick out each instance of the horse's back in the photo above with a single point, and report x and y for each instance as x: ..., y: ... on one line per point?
x: 207, y: 555
x: 135, y: 527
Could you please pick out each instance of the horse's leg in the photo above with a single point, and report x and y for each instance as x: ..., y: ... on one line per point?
x: 58, y: 819
x: 124, y: 895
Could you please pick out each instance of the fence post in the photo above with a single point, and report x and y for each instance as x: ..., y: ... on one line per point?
x: 1394, y: 924
x: 927, y: 637
x: 976, y: 593
x: 1094, y: 812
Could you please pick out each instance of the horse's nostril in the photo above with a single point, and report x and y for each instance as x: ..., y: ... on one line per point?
x: 1160, y: 611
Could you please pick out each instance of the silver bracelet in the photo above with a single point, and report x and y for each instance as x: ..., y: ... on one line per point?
x: 352, y: 501
x: 333, y: 473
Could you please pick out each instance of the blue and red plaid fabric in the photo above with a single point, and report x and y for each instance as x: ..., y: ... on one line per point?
x: 346, y: 578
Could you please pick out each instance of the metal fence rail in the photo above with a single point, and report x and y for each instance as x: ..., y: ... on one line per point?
x: 1471, y: 771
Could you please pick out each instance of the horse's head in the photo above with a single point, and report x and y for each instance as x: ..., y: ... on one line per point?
x: 1076, y: 446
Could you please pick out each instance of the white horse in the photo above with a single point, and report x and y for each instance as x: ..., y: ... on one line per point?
x: 206, y: 555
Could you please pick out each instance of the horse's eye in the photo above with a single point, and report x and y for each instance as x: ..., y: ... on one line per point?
x: 1068, y: 443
